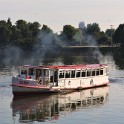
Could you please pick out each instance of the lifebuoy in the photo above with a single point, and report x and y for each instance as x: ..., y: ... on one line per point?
x: 39, y: 80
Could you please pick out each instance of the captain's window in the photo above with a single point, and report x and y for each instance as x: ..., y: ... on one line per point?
x: 46, y: 72
x: 38, y: 72
x: 23, y: 71
x: 31, y: 71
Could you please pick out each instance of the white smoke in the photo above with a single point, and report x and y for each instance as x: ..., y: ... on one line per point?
x: 91, y: 41
x: 11, y: 55
x: 47, y: 44
x: 78, y: 37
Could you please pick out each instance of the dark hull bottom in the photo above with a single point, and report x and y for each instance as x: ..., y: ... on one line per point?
x: 62, y: 91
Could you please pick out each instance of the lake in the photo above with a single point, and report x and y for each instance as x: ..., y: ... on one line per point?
x: 101, y: 105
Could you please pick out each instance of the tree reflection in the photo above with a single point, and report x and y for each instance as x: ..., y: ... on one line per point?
x: 60, y: 56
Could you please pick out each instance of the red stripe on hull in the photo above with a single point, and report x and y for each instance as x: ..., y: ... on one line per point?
x: 29, y: 86
x: 59, y: 90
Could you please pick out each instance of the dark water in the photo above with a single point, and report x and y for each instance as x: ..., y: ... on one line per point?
x: 93, y: 106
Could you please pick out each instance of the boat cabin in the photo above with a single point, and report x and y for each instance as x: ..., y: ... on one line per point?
x: 52, y: 75
x: 27, y: 72
x: 43, y: 75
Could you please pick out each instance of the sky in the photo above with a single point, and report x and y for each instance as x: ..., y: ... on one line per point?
x: 57, y: 13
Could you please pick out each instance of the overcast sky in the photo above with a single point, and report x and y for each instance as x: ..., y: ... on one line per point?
x: 57, y: 13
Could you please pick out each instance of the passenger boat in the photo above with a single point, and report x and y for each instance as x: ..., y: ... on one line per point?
x: 54, y: 79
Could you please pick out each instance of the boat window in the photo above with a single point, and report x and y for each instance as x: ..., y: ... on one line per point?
x: 23, y: 71
x: 88, y: 73
x: 38, y: 73
x: 73, y: 74
x: 97, y: 72
x: 83, y: 74
x: 31, y: 71
x: 51, y: 75
x: 78, y: 74
x: 93, y: 72
x: 61, y: 74
x: 46, y: 72
x: 67, y: 74
x: 51, y: 72
x: 55, y: 76
x: 101, y: 72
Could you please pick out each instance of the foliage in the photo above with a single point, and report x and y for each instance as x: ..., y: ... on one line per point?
x: 93, y: 29
x: 110, y: 32
x: 69, y: 31
x: 5, y: 32
x: 26, y: 34
x: 71, y: 35
x: 46, y: 29
x: 103, y: 38
x: 23, y: 34
x: 118, y: 36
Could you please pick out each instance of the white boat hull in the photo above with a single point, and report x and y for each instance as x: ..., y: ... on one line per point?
x: 23, y: 89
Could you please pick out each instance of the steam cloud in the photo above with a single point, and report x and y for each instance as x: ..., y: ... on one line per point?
x: 47, y: 42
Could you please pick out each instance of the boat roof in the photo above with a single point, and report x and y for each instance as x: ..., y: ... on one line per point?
x: 27, y: 66
x: 81, y: 66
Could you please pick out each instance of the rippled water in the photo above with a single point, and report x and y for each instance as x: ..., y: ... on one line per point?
x: 92, y: 106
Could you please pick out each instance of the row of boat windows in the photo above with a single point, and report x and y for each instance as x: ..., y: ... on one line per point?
x: 31, y: 71
x: 73, y: 74
x: 66, y: 74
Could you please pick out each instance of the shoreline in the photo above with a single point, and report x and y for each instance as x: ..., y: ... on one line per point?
x: 100, y: 46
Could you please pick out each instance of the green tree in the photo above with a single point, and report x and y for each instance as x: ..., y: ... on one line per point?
x: 26, y: 33
x: 118, y: 36
x: 21, y: 24
x: 35, y: 28
x: 103, y: 38
x: 9, y: 23
x: 94, y: 30
x: 110, y: 32
x: 5, y: 32
x: 46, y: 29
x: 23, y: 34
x: 69, y: 31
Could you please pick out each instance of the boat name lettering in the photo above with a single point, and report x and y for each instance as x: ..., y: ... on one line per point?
x: 23, y: 82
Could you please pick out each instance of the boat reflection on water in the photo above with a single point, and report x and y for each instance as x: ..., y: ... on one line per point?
x: 51, y: 107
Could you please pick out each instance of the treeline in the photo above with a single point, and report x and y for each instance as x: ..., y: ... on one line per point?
x: 26, y: 35
x: 22, y: 33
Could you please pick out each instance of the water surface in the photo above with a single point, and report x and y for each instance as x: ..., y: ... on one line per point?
x: 92, y: 106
